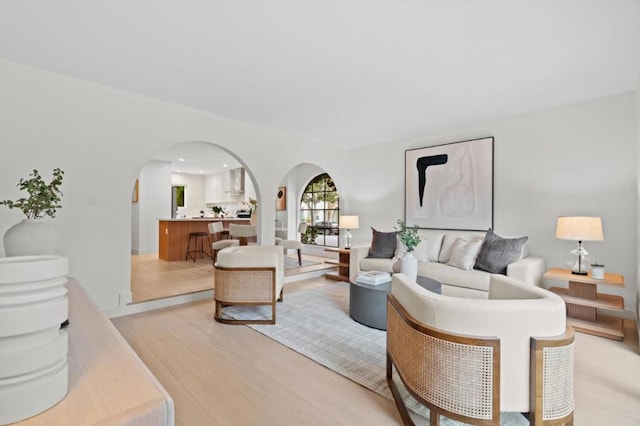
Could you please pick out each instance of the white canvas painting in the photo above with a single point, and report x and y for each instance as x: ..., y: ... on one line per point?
x: 450, y: 186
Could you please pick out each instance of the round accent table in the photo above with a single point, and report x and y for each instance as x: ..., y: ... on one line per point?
x: 368, y: 302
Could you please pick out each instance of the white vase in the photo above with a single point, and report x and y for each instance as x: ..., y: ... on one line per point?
x: 30, y: 237
x: 33, y: 349
x: 409, y: 266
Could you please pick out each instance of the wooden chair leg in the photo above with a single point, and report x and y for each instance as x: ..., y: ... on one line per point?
x: 300, y: 257
x: 397, y: 398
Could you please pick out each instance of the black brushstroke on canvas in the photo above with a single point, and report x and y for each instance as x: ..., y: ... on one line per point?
x: 422, y: 163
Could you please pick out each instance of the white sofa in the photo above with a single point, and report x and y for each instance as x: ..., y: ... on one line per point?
x: 516, y: 314
x: 455, y: 281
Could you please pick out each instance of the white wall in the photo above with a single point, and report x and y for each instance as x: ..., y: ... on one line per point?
x: 638, y: 203
x: 576, y: 160
x: 154, y: 197
x: 102, y: 138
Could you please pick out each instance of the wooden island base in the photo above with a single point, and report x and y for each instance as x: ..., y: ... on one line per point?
x: 174, y: 235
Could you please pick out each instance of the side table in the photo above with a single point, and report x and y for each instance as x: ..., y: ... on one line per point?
x: 583, y: 300
x: 342, y: 264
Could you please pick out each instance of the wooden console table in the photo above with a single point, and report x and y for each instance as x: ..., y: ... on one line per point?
x: 342, y: 264
x: 108, y: 383
x: 583, y: 300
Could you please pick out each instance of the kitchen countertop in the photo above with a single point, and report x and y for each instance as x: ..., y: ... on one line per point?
x: 222, y: 219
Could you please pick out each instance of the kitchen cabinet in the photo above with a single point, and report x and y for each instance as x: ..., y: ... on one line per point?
x: 214, y: 189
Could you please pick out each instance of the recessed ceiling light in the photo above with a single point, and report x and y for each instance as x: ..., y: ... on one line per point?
x: 200, y: 171
x: 225, y: 165
x: 180, y: 159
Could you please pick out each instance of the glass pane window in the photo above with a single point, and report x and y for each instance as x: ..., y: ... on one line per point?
x: 320, y: 208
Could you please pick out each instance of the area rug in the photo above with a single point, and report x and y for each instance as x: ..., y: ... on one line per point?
x: 290, y: 263
x: 316, y: 323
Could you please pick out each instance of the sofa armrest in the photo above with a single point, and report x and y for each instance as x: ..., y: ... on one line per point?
x: 528, y: 270
x: 357, y: 254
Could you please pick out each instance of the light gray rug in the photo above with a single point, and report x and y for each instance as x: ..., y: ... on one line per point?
x: 316, y: 323
x: 290, y: 262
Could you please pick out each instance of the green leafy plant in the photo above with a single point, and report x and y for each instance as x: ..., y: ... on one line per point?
x: 253, y: 204
x: 309, y: 237
x: 408, y: 235
x: 217, y: 209
x: 44, y: 199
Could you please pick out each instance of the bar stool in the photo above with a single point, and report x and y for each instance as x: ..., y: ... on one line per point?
x: 198, y: 236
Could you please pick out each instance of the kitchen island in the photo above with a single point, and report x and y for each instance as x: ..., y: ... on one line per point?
x: 174, y: 234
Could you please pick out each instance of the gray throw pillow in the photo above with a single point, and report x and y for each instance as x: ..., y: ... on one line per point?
x: 497, y: 252
x: 383, y: 244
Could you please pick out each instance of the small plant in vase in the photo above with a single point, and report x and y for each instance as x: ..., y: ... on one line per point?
x: 44, y: 199
x: 217, y: 211
x: 410, y: 238
x: 32, y: 236
x: 253, y: 205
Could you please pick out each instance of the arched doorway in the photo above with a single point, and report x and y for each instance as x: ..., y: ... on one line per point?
x: 187, y: 182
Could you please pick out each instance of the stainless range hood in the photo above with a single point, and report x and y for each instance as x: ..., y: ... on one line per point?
x: 236, y: 181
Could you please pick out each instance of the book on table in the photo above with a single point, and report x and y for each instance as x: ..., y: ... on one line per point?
x: 374, y: 277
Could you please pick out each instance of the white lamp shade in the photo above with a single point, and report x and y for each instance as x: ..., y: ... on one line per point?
x: 348, y: 222
x: 579, y: 228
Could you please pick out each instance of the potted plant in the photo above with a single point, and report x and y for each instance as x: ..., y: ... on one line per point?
x: 253, y: 205
x: 410, y: 238
x: 32, y: 235
x: 217, y: 210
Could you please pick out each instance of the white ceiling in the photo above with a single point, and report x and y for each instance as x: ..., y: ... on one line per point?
x: 197, y: 158
x: 346, y: 72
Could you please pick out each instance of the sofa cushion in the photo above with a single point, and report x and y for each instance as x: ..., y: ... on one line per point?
x: 383, y: 244
x: 427, y: 250
x: 379, y: 264
x: 450, y: 239
x: 448, y: 275
x: 497, y: 252
x: 464, y: 253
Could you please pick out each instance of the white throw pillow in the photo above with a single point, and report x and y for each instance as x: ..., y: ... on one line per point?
x: 447, y: 245
x: 426, y: 251
x: 464, y: 253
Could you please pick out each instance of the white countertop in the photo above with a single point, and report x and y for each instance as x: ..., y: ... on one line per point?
x: 188, y: 219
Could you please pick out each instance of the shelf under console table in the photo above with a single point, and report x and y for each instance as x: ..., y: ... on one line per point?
x: 108, y: 383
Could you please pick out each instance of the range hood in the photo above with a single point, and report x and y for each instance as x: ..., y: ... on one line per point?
x: 236, y: 181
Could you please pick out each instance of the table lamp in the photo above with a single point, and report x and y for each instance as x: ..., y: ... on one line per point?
x: 348, y: 223
x: 579, y: 228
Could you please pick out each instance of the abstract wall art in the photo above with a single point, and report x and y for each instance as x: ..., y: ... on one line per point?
x: 450, y: 186
x: 281, y: 198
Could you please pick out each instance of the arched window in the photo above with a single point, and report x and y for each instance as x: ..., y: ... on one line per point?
x: 320, y: 208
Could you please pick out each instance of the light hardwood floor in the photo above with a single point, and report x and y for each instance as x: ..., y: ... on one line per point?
x: 231, y: 375
x: 153, y: 278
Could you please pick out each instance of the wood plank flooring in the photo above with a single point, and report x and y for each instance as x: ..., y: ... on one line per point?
x: 231, y: 375
x: 153, y: 278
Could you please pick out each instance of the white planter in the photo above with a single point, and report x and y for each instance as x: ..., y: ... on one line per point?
x: 409, y: 266
x: 30, y: 237
x: 33, y: 349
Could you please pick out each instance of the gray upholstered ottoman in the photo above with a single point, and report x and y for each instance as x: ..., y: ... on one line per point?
x: 368, y: 302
